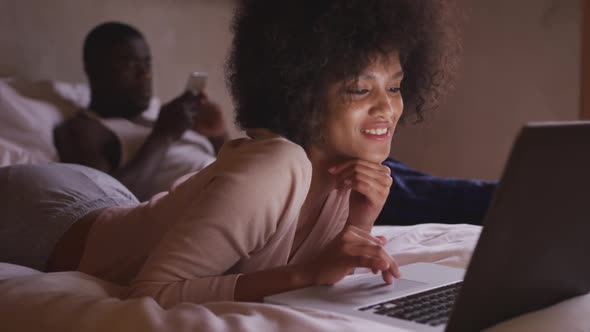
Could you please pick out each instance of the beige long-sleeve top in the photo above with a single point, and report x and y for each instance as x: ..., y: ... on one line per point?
x: 236, y: 216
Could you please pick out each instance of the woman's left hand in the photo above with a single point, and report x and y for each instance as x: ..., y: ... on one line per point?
x: 370, y: 183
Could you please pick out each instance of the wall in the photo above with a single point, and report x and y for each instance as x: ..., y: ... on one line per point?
x: 43, y: 39
x: 585, y: 100
x: 521, y: 63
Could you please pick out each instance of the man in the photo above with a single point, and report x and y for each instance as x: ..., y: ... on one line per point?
x: 114, y: 134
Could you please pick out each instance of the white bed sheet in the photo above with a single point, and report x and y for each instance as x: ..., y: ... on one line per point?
x: 72, y: 301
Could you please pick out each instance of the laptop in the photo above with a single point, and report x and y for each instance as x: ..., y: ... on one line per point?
x: 531, y: 253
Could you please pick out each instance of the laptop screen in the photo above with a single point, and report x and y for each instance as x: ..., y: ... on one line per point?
x: 534, y: 245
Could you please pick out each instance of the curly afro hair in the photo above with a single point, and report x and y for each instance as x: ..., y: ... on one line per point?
x: 285, y: 51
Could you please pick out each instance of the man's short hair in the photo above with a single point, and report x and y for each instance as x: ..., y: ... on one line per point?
x: 104, y: 36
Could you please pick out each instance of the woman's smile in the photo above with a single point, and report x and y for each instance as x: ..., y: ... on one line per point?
x: 378, y: 133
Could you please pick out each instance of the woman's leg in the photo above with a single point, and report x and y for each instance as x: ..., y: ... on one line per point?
x: 39, y: 204
x: 67, y: 253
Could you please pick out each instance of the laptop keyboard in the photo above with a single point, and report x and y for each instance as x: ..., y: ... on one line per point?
x: 432, y: 307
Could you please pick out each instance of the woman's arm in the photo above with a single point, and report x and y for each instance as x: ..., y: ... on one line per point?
x: 234, y: 207
x: 370, y: 184
x: 227, y: 211
x: 253, y: 287
x: 352, y: 248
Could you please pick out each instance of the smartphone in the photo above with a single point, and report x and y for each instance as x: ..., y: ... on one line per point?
x: 196, y: 82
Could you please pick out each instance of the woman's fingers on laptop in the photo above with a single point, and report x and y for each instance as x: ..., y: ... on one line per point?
x: 382, y: 238
x: 394, y: 268
x: 357, y: 235
x: 375, y: 257
x: 382, y: 261
x: 352, y: 248
x: 387, y: 277
x: 388, y: 269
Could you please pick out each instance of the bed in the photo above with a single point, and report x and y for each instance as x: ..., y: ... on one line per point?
x: 72, y: 301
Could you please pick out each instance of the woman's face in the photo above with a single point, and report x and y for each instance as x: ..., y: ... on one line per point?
x: 361, y: 115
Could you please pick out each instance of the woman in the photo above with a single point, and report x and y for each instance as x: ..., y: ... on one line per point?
x: 318, y: 86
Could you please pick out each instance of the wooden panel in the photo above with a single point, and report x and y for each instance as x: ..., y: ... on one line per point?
x: 585, y: 109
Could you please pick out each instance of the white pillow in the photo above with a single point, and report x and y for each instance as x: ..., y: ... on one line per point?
x: 11, y: 154
x: 30, y: 110
x: 28, y: 113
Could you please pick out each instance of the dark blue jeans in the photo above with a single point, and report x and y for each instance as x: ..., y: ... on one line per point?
x: 416, y: 197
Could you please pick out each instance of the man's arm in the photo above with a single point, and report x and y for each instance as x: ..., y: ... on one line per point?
x: 87, y: 142
x: 139, y: 172
x: 81, y: 140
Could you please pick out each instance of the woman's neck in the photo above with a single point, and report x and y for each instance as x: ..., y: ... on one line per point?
x: 322, y: 182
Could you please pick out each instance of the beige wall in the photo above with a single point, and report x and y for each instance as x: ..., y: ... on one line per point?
x: 43, y: 39
x: 521, y: 63
x: 585, y: 90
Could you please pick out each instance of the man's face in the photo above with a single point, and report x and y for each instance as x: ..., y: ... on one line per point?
x: 125, y: 77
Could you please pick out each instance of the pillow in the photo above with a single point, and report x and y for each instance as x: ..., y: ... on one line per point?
x: 30, y: 110
x: 11, y: 154
x: 28, y: 113
x: 8, y: 271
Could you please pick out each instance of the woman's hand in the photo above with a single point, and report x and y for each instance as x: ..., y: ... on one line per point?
x: 352, y: 248
x: 370, y: 183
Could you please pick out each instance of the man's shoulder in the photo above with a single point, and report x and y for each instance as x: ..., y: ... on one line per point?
x: 80, y: 123
x: 82, y: 130
x: 83, y: 140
